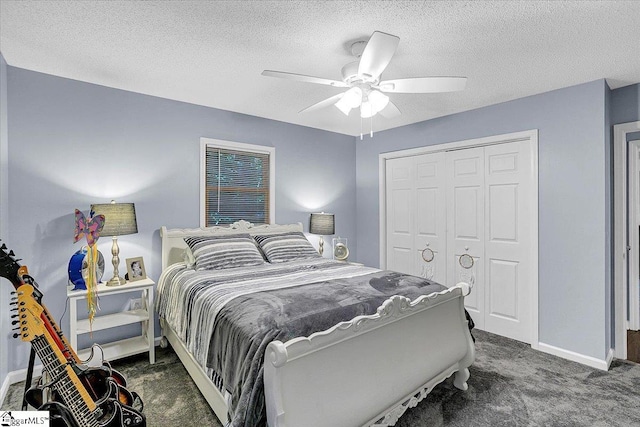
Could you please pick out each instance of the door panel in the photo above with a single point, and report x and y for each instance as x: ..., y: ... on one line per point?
x: 427, y: 218
x: 401, y: 212
x: 431, y: 226
x: 400, y: 208
x: 401, y: 259
x: 507, y: 297
x: 467, y: 212
x: 503, y: 283
x: 465, y: 224
x: 503, y: 198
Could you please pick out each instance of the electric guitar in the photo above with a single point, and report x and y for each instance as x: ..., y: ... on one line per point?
x: 77, y: 407
x: 93, y: 378
x: 105, y: 386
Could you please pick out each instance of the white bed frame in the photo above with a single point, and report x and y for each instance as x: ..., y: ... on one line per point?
x: 364, y: 372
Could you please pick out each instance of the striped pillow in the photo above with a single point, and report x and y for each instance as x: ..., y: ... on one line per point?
x: 220, y: 252
x: 286, y: 247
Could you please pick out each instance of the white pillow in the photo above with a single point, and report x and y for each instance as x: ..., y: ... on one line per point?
x: 189, y: 259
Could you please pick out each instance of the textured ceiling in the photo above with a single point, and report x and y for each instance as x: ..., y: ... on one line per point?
x: 212, y: 53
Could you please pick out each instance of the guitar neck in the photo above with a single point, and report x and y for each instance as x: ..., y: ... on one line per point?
x: 59, y: 338
x: 22, y: 277
x: 67, y: 383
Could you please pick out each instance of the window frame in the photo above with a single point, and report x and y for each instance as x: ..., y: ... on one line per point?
x: 237, y: 146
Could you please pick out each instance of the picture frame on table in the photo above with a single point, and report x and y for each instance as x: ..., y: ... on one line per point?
x: 135, y: 269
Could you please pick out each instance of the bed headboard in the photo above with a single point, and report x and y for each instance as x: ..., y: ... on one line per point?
x: 173, y: 243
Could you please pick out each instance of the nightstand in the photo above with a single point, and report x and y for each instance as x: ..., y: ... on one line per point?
x: 123, y: 348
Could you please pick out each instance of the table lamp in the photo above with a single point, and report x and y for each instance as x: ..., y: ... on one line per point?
x: 119, y: 219
x: 322, y: 224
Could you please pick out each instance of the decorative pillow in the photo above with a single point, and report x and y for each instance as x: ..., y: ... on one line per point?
x: 220, y: 252
x: 286, y: 247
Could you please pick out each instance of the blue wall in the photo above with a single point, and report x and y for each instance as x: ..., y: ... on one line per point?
x: 73, y: 143
x: 625, y: 104
x: 573, y: 179
x: 5, y: 288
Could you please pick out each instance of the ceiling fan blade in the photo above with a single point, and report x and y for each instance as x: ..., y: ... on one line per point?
x: 377, y: 54
x: 322, y: 104
x: 390, y: 111
x: 303, y: 78
x: 423, y: 85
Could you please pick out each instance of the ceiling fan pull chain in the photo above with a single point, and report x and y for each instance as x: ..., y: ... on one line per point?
x: 360, y: 127
x: 371, y: 127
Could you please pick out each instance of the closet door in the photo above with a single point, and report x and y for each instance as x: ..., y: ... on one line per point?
x: 473, y: 203
x: 400, y: 207
x: 466, y: 225
x: 430, y: 241
x: 508, y: 240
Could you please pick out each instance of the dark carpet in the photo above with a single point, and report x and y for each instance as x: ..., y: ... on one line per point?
x: 510, y: 385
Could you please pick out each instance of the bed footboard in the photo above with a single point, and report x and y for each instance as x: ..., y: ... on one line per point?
x: 384, y: 364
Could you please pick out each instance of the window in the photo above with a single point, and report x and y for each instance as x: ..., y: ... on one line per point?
x: 237, y: 182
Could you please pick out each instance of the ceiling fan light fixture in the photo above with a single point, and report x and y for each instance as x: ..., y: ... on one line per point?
x: 366, y: 110
x: 378, y: 100
x: 350, y: 99
x: 343, y: 106
x: 353, y: 97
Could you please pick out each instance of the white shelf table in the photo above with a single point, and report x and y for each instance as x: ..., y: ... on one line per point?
x: 122, y: 348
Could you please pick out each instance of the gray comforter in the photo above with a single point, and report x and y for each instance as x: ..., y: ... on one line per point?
x: 227, y: 319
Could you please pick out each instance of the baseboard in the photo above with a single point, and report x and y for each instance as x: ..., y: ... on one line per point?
x: 15, y: 377
x: 4, y: 389
x: 610, y: 356
x: 577, y: 357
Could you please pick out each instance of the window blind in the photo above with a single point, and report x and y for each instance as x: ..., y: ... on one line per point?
x: 237, y: 186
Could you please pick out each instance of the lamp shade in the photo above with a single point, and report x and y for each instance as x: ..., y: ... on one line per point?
x: 322, y: 223
x: 119, y: 218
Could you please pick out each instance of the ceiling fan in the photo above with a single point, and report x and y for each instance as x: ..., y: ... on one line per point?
x: 363, y: 78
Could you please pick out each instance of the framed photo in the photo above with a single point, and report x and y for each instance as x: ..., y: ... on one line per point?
x: 135, y: 269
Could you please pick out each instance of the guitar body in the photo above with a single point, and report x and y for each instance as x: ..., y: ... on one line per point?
x: 110, y: 411
x: 121, y: 416
x: 97, y: 381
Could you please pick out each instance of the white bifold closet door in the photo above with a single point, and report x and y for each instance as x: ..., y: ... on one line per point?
x: 416, y: 218
x: 465, y: 222
x: 470, y: 201
x: 401, y: 212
